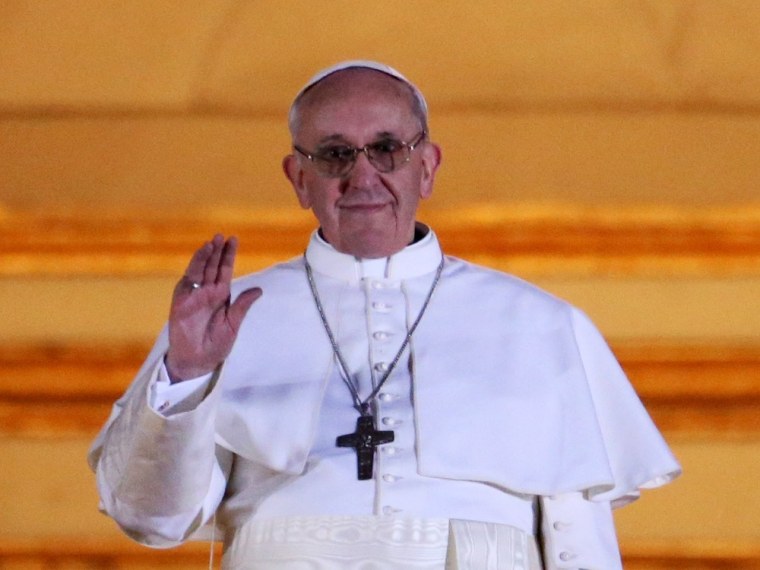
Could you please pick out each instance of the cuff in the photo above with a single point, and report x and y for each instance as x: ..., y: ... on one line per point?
x: 168, y: 399
x: 578, y: 534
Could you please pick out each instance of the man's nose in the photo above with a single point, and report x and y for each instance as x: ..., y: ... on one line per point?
x: 362, y: 172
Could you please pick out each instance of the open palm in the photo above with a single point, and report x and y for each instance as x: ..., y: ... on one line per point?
x: 203, y: 321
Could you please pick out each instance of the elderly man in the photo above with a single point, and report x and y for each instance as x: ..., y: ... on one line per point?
x: 374, y: 403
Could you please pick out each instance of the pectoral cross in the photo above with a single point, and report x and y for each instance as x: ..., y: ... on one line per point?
x: 364, y: 440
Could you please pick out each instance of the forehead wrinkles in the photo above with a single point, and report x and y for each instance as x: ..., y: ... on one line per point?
x: 351, y: 87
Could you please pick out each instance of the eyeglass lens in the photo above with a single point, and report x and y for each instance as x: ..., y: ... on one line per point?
x: 385, y: 155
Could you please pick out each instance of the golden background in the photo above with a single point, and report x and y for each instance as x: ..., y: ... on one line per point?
x: 607, y: 150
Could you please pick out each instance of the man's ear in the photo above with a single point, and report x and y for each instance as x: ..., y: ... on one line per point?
x: 292, y: 168
x: 431, y: 160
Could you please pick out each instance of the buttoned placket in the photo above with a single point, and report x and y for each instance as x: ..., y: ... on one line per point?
x: 386, y: 322
x: 556, y: 532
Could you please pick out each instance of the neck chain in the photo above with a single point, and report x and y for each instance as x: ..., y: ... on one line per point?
x: 363, y: 406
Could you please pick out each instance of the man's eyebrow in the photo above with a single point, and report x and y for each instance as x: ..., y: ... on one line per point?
x: 342, y: 139
x: 332, y: 138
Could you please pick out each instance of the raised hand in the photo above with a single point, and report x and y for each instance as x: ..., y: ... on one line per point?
x: 203, y: 323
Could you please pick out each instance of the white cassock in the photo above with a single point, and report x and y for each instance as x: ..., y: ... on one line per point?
x: 514, y: 427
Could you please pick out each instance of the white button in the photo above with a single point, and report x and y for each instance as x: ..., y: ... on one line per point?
x: 560, y: 525
x: 389, y: 450
x: 386, y: 397
x: 389, y: 478
x: 390, y: 422
x: 566, y: 556
x: 381, y: 366
x: 381, y: 307
x: 378, y: 285
x: 380, y: 335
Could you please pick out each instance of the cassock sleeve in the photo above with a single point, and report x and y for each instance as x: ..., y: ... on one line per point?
x: 160, y: 478
x: 578, y: 533
x: 578, y: 529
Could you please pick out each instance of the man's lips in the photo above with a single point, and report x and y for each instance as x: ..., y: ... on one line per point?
x: 363, y: 207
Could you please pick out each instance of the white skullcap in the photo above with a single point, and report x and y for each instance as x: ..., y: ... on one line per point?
x: 365, y: 64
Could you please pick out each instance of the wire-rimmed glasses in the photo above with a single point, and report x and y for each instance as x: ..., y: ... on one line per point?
x: 386, y: 155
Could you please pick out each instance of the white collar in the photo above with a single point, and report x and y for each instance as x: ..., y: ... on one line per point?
x: 415, y: 260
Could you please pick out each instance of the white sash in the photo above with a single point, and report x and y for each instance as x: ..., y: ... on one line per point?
x: 378, y: 543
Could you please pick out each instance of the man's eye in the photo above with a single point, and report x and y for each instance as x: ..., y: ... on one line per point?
x: 387, y: 146
x: 336, y: 154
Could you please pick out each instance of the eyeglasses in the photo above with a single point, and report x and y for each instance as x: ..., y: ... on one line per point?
x: 386, y: 155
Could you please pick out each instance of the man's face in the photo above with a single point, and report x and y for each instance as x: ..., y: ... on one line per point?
x: 365, y: 212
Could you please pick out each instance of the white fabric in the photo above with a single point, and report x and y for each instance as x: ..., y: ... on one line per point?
x: 475, y: 545
x: 513, y: 390
x: 338, y: 543
x: 568, y: 544
x: 493, y: 352
x: 170, y: 399
x: 379, y: 543
x: 380, y: 317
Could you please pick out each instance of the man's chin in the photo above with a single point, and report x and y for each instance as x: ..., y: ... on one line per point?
x: 370, y: 244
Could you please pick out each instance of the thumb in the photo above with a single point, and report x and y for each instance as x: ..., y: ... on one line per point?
x: 239, y: 308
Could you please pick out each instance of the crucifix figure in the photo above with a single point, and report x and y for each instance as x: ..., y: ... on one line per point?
x: 364, y: 440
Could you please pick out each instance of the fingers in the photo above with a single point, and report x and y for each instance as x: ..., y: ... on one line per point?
x: 195, y: 269
x: 212, y: 263
x: 211, y: 269
x: 227, y: 262
x: 239, y: 308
